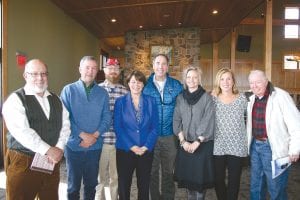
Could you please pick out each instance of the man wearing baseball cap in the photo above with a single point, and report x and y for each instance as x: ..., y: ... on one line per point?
x: 108, y: 169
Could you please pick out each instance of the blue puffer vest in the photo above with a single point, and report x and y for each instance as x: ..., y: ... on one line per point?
x: 165, y: 106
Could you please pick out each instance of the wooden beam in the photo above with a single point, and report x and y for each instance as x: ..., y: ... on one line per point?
x: 215, y: 61
x: 232, y: 49
x: 4, y: 68
x: 275, y: 22
x: 127, y: 5
x: 268, y: 39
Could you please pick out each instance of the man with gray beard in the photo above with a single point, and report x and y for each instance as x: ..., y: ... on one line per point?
x: 37, y: 122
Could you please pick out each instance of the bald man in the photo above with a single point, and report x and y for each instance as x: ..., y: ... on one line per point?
x: 37, y: 122
x: 273, y: 132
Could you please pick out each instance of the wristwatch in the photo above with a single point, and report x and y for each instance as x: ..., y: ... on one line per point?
x: 198, y: 140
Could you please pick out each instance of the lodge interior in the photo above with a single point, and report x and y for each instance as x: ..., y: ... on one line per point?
x: 242, y: 35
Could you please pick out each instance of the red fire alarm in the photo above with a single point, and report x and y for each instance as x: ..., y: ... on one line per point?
x: 21, y: 59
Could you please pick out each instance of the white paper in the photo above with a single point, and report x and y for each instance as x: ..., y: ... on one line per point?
x: 41, y: 163
x: 279, y: 166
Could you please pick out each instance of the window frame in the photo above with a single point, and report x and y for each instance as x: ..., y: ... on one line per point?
x: 292, y: 22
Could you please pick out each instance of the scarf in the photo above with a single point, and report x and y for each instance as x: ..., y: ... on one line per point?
x: 193, y: 98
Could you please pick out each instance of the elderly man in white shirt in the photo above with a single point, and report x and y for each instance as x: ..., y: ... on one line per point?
x: 37, y: 122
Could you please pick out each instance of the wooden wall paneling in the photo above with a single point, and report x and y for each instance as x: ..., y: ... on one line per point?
x: 242, y: 70
x: 297, y: 81
x: 289, y: 80
x: 278, y: 75
x: 206, y: 67
x: 215, y: 61
x: 232, y: 49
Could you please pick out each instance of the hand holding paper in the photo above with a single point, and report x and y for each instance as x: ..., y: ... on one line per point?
x: 280, y: 165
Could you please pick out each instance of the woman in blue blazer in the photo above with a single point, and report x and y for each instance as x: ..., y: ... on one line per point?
x: 135, y: 124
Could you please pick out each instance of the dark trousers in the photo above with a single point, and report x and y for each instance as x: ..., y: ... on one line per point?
x: 234, y: 166
x: 24, y: 184
x: 164, y: 158
x: 127, y: 162
x: 82, y: 166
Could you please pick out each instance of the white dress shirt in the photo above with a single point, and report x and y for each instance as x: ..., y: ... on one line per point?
x: 17, y: 123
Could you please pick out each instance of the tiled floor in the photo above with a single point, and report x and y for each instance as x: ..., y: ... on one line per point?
x: 293, y: 187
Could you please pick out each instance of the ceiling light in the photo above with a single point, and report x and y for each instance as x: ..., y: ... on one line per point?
x: 160, y: 25
x: 141, y: 26
x: 214, y: 12
x: 179, y: 23
x: 166, y: 15
x: 113, y: 20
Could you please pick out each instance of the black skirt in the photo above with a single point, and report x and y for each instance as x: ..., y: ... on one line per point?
x: 195, y: 171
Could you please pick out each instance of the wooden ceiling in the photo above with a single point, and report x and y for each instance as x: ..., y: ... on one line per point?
x: 96, y: 15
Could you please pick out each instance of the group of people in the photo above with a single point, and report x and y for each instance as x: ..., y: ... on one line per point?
x: 155, y: 127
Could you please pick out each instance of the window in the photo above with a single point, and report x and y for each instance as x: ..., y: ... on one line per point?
x: 103, y: 59
x: 291, y: 61
x: 292, y: 18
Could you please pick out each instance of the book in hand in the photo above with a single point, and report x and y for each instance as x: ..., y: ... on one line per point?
x: 279, y: 166
x: 41, y: 163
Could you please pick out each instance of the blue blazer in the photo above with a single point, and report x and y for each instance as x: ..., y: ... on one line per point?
x: 128, y: 131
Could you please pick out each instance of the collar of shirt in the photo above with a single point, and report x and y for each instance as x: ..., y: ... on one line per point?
x: 88, y: 88
x: 266, y: 95
x: 43, y: 101
x: 106, y: 83
x: 159, y: 85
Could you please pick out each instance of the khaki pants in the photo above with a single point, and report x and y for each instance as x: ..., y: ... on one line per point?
x: 108, y: 172
x: 25, y: 184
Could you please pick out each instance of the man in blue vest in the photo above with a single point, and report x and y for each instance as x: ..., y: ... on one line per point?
x: 38, y: 124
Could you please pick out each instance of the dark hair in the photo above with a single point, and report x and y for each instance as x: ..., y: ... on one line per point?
x: 139, y: 76
x: 163, y: 55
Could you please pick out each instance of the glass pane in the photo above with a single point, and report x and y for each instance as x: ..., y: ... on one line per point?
x: 290, y: 62
x: 291, y: 31
x: 292, y: 13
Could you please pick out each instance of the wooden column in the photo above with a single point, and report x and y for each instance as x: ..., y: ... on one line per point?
x: 232, y: 49
x: 215, y: 61
x: 4, y: 69
x: 268, y: 39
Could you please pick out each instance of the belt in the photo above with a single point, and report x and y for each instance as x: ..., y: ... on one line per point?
x: 261, y: 139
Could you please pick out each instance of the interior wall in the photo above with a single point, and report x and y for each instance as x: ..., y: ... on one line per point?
x: 185, y: 43
x: 254, y: 59
x: 41, y: 30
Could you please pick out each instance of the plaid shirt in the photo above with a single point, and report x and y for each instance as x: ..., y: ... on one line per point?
x: 259, y: 129
x: 114, y: 91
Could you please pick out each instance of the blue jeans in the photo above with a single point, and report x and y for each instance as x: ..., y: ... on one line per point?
x: 82, y: 165
x: 261, y: 174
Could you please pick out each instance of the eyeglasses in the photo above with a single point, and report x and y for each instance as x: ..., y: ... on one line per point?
x: 36, y: 74
x: 113, y: 68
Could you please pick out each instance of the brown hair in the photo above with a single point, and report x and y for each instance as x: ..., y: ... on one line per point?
x: 163, y: 55
x: 139, y: 76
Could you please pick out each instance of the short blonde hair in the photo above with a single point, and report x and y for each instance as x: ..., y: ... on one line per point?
x: 217, y: 89
x: 186, y: 71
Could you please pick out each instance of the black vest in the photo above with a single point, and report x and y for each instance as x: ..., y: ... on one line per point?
x: 47, y: 129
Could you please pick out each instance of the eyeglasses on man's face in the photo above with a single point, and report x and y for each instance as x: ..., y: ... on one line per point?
x: 113, y: 68
x: 36, y: 74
